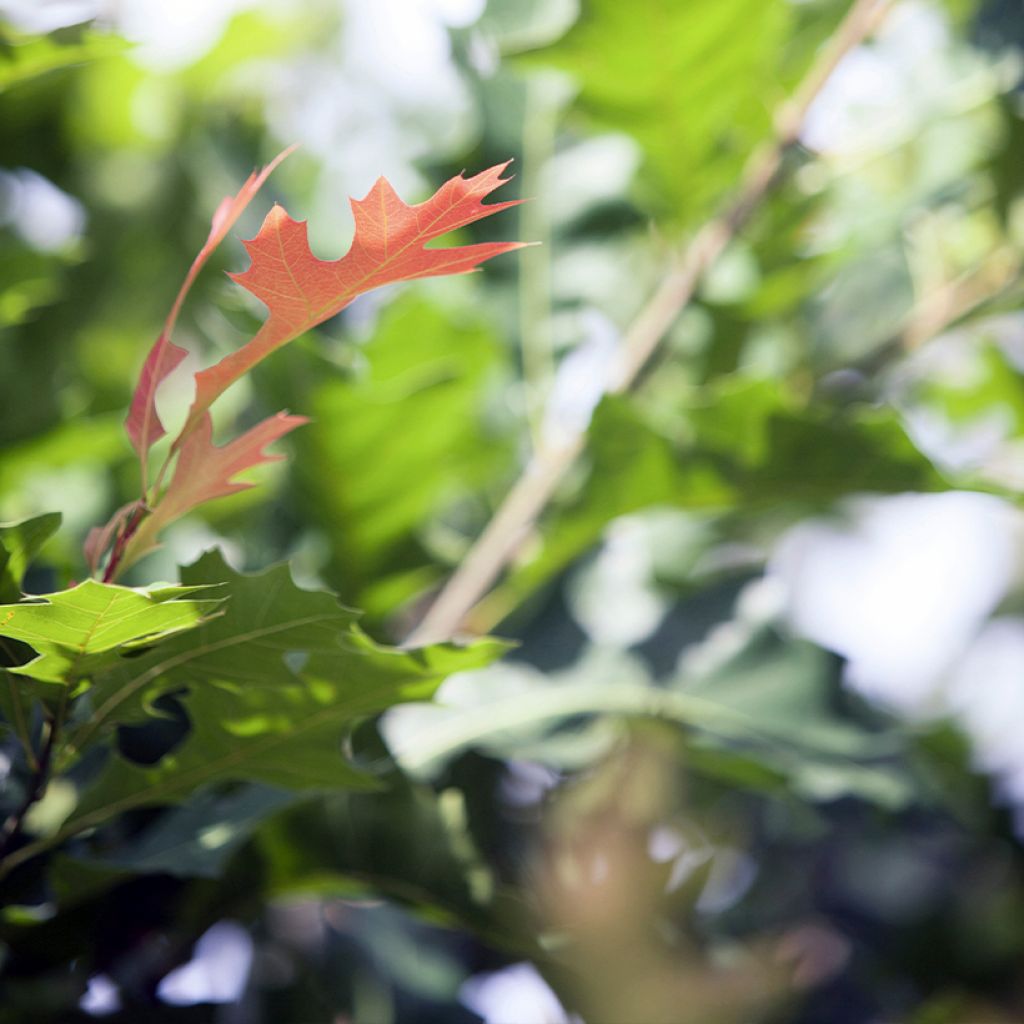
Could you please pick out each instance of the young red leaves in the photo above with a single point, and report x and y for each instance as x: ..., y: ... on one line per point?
x: 301, y: 291
x: 143, y: 424
x: 205, y: 471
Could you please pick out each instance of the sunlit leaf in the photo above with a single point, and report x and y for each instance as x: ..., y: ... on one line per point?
x: 206, y: 471
x: 390, y: 244
x: 76, y: 631
x: 143, y: 424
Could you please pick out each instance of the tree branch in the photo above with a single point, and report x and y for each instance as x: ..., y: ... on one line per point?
x: 549, y: 464
x: 37, y: 787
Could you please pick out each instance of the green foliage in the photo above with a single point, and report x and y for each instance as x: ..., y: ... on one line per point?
x: 761, y: 720
x: 270, y: 687
x: 694, y: 90
x: 740, y: 446
x: 30, y: 281
x: 430, y: 371
x: 657, y: 772
x: 198, y: 839
x: 993, y: 386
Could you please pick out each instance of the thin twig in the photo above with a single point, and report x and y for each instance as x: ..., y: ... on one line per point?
x: 21, y: 726
x: 531, y: 493
x: 955, y: 299
x: 944, y: 307
x: 39, y: 783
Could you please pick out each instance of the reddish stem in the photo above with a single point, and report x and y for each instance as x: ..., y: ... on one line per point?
x: 124, y: 535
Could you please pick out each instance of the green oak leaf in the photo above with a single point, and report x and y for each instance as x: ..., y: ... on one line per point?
x: 271, y: 688
x: 19, y: 544
x: 75, y: 632
x: 269, y: 625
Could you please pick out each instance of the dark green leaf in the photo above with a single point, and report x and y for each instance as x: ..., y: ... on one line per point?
x: 274, y: 685
x: 198, y: 838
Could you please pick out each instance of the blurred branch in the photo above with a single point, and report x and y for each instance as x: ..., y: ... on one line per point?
x: 541, y: 477
x: 540, y: 125
x: 953, y: 300
x: 945, y: 306
x: 19, y: 723
x: 37, y: 787
x: 630, y: 948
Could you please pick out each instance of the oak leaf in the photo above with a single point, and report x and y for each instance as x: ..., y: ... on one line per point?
x: 272, y: 689
x: 389, y: 245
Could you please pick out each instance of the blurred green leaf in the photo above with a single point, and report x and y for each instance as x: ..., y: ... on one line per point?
x: 693, y: 82
x: 390, y: 446
x: 782, y: 452
x: 19, y: 544
x: 94, y: 440
x: 992, y: 386
x: 24, y: 57
x: 632, y: 466
x: 865, y: 304
x: 789, y: 690
x: 28, y: 281
x: 740, y: 445
x: 766, y: 711
x: 520, y: 25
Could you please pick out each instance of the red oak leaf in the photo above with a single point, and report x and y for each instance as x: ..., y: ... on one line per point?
x: 389, y: 245
x: 143, y: 424
x: 300, y: 291
x: 205, y: 471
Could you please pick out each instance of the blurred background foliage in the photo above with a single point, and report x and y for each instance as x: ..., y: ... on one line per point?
x: 757, y: 755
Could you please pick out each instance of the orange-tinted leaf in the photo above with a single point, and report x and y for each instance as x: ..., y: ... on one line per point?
x: 205, y: 471
x: 143, y: 424
x: 301, y: 291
